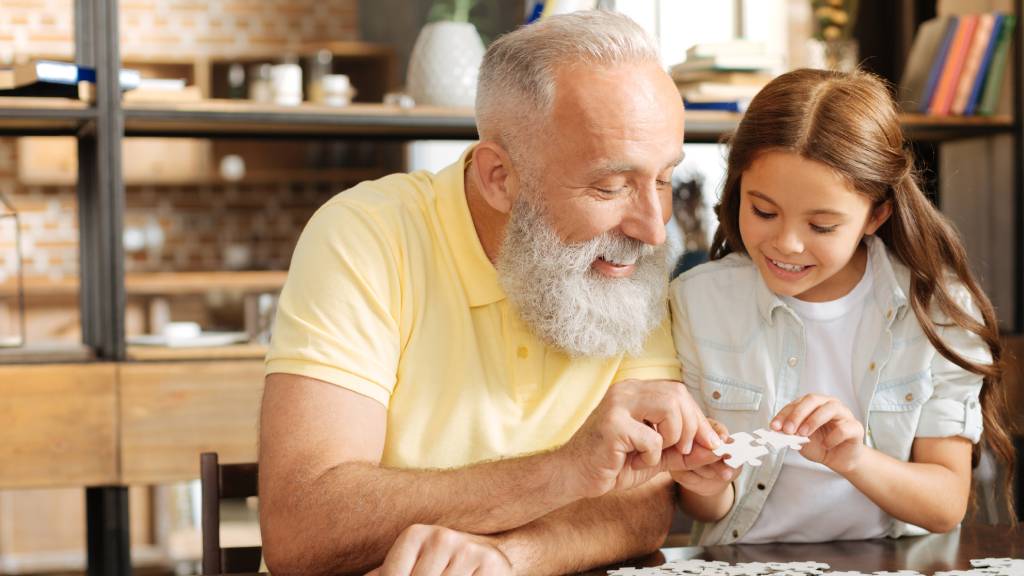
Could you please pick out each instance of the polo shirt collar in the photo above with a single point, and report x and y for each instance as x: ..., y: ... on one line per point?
x: 477, y: 273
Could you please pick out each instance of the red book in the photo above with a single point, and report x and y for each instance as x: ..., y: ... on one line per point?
x: 944, y: 94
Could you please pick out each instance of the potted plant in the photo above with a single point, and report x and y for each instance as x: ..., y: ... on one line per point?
x: 445, y: 60
x: 833, y: 46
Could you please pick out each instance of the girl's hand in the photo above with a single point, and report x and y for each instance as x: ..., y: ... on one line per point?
x: 710, y: 479
x: 837, y: 437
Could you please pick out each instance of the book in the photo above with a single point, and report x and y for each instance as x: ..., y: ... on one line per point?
x: 730, y: 48
x: 724, y: 106
x: 51, y: 78
x: 997, y: 70
x: 723, y: 77
x: 925, y: 50
x: 718, y: 90
x: 985, y: 66
x: 937, y: 65
x: 972, y: 65
x: 728, y: 63
x: 946, y: 91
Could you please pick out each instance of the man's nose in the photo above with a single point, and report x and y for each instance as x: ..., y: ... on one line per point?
x: 645, y: 220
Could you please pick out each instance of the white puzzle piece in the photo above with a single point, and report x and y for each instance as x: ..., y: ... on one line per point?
x: 800, y: 567
x: 693, y: 566
x: 743, y: 449
x: 776, y: 441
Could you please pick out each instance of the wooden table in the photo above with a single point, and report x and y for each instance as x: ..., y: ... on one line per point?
x: 925, y: 554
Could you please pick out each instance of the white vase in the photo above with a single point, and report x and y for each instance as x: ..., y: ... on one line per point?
x: 445, y: 64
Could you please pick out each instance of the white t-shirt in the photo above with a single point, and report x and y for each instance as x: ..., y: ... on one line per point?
x: 809, y: 502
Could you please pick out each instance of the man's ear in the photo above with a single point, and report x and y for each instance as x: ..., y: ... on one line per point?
x: 492, y: 171
x: 879, y: 215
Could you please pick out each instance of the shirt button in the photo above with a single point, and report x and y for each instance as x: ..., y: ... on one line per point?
x: 735, y: 533
x: 716, y: 394
x: 909, y: 397
x: 888, y: 314
x: 792, y: 361
x: 871, y: 367
x: 760, y: 486
x: 523, y: 352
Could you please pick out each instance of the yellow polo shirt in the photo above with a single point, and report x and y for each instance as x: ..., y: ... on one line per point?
x: 391, y: 295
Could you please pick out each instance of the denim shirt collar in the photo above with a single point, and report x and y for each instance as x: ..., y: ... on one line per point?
x: 890, y: 285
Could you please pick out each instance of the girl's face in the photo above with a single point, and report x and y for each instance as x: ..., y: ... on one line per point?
x: 802, y: 223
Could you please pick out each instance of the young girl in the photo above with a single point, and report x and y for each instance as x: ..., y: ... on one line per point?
x: 838, y: 305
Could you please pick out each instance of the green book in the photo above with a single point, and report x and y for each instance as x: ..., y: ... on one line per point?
x: 997, y: 70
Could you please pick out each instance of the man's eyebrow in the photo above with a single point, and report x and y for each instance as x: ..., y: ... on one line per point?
x: 623, y: 168
x: 815, y: 212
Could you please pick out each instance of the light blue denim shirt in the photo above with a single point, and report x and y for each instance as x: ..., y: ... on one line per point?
x: 742, y: 347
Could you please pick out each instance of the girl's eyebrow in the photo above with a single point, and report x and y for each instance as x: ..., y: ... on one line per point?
x: 815, y: 212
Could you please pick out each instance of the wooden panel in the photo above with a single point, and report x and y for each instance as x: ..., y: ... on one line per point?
x: 59, y: 425
x: 45, y: 161
x: 171, y: 412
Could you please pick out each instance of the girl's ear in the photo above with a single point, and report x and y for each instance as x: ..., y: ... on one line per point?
x: 879, y: 215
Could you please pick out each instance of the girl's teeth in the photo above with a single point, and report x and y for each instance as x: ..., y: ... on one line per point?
x: 788, y: 267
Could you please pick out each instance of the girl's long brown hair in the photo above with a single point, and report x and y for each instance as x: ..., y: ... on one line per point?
x: 850, y: 123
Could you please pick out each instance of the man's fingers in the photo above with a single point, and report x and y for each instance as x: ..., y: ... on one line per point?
x: 707, y: 435
x: 434, y: 556
x: 401, y: 559
x: 645, y: 441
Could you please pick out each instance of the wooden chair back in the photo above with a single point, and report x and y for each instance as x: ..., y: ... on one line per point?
x: 225, y: 482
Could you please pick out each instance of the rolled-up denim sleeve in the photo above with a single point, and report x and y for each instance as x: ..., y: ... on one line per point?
x: 954, y: 408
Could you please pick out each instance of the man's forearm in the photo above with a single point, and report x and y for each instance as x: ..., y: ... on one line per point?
x: 593, y: 532
x: 365, y: 507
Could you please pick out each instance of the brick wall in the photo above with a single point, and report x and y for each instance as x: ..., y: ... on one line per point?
x: 198, y: 223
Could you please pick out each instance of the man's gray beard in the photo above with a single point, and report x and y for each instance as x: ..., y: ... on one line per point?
x: 567, y: 303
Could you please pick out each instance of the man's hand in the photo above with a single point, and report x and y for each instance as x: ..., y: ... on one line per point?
x: 837, y: 437
x: 710, y: 479
x: 639, y: 429
x: 435, y: 550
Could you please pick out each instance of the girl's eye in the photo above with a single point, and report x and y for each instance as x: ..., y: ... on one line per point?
x: 664, y: 183
x: 824, y: 229
x: 760, y: 214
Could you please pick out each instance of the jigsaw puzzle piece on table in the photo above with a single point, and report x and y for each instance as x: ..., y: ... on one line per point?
x: 776, y: 441
x: 799, y: 567
x: 753, y: 568
x: 848, y: 573
x: 977, y: 572
x: 694, y: 566
x: 743, y: 449
x: 899, y: 573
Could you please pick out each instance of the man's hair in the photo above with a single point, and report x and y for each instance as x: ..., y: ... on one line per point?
x: 516, y: 86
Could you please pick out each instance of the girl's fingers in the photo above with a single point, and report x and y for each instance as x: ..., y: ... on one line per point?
x: 802, y: 408
x: 822, y: 415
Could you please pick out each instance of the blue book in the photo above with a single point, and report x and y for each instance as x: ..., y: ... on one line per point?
x: 938, y: 65
x: 56, y: 79
x: 724, y: 106
x: 986, y: 60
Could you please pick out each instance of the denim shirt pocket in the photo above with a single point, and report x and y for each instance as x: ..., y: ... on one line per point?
x: 722, y: 393
x: 895, y: 412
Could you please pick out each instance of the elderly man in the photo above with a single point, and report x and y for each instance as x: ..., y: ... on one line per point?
x: 471, y: 371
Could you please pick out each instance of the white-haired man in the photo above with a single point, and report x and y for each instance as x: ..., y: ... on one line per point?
x: 471, y: 372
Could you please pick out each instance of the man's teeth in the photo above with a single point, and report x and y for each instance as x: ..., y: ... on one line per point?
x: 617, y: 262
x: 789, y: 267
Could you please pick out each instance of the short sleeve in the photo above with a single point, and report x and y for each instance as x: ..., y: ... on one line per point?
x: 954, y: 408
x: 656, y: 362
x: 685, y: 345
x: 337, y: 316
